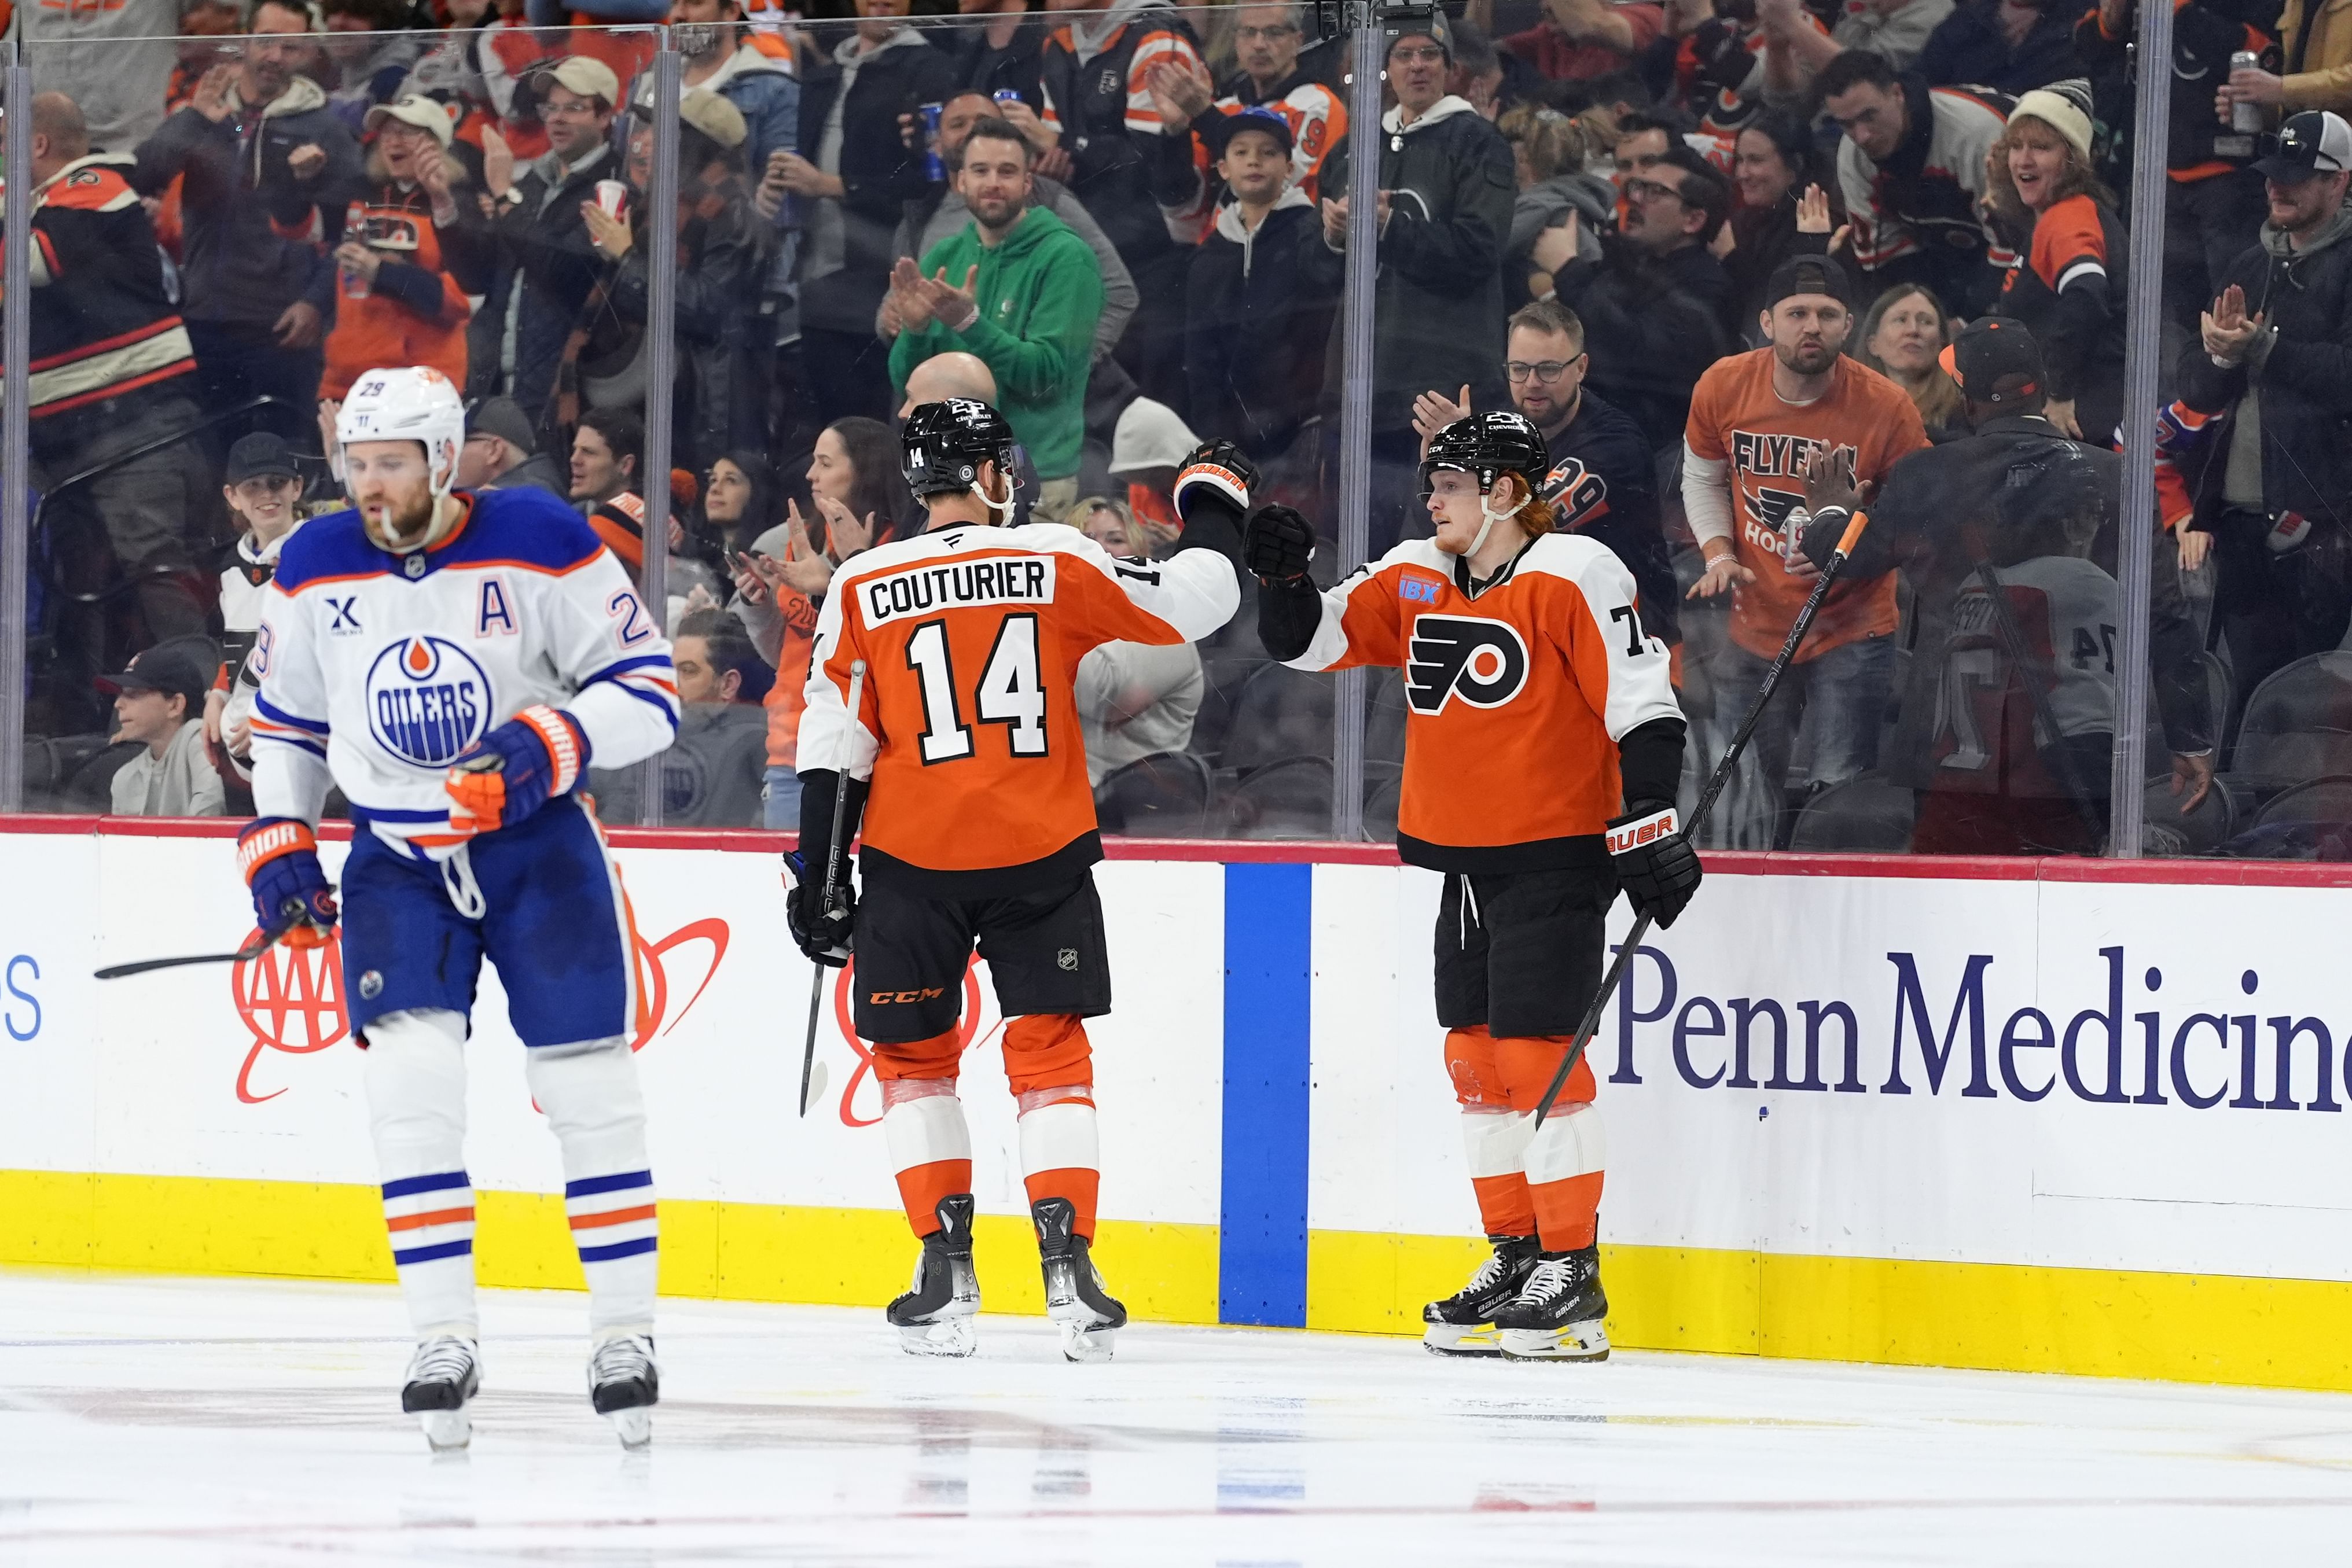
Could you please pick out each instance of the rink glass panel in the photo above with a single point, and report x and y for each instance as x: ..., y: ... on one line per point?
x: 1264, y: 750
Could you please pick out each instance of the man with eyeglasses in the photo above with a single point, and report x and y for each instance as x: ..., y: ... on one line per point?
x: 1446, y: 185
x: 1912, y: 165
x: 1652, y: 305
x: 1602, y: 482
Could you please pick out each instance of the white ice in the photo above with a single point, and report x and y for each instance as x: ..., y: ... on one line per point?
x: 165, y: 1421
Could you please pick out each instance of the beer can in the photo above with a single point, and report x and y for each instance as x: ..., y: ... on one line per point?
x: 934, y: 167
x: 2245, y: 116
x: 613, y: 196
x: 1792, y: 539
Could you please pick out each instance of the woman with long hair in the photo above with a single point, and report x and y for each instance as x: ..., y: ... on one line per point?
x: 1785, y: 209
x: 2044, y: 198
x: 1549, y: 150
x: 1903, y: 338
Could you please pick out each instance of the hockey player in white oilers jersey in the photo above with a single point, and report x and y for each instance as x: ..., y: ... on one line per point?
x: 454, y: 663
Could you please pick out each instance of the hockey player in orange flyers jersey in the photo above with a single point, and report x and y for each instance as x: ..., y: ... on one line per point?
x: 1542, y: 750
x: 965, y: 764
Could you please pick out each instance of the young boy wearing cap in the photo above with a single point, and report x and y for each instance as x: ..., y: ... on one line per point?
x: 406, y: 263
x: 1256, y: 321
x: 156, y: 703
x: 1757, y: 419
x: 263, y: 489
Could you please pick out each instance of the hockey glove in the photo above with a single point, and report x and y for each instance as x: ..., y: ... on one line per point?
x: 824, y: 932
x: 535, y: 756
x: 1216, y: 468
x: 291, y: 898
x: 1278, y: 546
x: 1654, y: 864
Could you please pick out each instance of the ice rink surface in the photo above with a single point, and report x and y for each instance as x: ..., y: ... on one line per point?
x: 165, y: 1422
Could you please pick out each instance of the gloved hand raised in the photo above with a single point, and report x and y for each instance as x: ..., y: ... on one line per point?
x: 1216, y: 468
x: 1278, y: 546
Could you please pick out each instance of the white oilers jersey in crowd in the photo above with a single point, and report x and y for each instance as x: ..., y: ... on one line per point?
x: 381, y: 670
x: 242, y: 584
x: 2064, y: 613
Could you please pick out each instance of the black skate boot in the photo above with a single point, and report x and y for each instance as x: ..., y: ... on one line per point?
x: 1463, y: 1323
x: 443, y: 1376
x: 624, y: 1385
x: 1075, y: 1298
x: 935, y: 1316
x: 1558, y: 1314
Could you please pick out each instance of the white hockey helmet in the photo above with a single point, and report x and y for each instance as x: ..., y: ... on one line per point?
x: 411, y: 402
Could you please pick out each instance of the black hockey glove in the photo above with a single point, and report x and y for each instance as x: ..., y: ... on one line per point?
x: 822, y: 932
x: 1214, y: 468
x: 1278, y: 546
x: 1654, y: 864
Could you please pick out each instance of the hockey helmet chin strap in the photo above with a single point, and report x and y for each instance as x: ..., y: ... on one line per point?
x: 1487, y: 511
x: 442, y: 522
x: 1001, y: 511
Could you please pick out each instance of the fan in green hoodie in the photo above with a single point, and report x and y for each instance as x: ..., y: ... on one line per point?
x: 1026, y: 302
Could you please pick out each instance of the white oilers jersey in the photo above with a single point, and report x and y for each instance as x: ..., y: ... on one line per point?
x: 378, y: 671
x: 2064, y: 615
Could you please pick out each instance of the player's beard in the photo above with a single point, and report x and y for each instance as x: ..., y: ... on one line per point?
x: 402, y: 527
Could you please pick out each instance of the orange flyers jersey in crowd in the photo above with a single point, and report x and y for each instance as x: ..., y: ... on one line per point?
x: 1515, y: 698
x: 966, y: 726
x: 1737, y: 419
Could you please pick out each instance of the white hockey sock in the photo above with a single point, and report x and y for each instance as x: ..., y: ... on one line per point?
x: 1061, y: 1150
x: 1566, y: 1159
x: 929, y: 1145
x: 593, y: 1101
x: 415, y: 1071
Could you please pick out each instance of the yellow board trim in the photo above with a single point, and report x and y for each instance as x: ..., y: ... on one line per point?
x: 2276, y: 1334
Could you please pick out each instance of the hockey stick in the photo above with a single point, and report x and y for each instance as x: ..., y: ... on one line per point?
x: 811, y: 1075
x: 261, y: 941
x: 1715, y: 787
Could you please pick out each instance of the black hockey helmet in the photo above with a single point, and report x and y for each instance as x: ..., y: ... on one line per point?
x: 1486, y: 445
x: 942, y: 446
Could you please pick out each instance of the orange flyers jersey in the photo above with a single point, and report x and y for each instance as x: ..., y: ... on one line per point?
x: 1515, y: 698
x: 1736, y: 419
x: 966, y: 726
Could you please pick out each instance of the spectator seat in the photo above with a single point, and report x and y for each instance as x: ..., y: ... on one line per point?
x: 1279, y: 713
x: 2166, y: 834
x: 2297, y: 724
x: 1289, y: 798
x: 1864, y: 814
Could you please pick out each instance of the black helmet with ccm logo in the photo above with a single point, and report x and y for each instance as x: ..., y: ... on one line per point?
x: 942, y: 446
x: 1487, y: 445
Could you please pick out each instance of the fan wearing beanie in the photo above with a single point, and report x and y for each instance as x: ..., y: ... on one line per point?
x: 2044, y: 196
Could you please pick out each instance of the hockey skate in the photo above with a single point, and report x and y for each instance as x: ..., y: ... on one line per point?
x: 1075, y: 1298
x: 625, y: 1385
x: 935, y: 1316
x: 1463, y: 1323
x: 443, y: 1376
x: 1558, y: 1312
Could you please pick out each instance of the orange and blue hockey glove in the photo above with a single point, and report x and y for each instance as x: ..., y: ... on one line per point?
x: 518, y: 767
x: 292, y: 900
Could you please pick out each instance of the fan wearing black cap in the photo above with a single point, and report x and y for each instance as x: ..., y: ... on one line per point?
x: 1991, y: 500
x: 1758, y: 421
x: 159, y: 703
x: 264, y: 491
x: 2271, y: 360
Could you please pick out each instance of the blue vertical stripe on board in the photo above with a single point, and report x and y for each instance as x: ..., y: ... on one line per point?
x: 1269, y: 952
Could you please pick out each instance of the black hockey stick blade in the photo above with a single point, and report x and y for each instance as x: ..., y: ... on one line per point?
x: 1714, y: 786
x: 254, y: 948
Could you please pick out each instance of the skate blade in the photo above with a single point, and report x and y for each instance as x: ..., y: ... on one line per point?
x: 949, y: 1338
x: 1455, y: 1339
x: 1577, y: 1342
x: 448, y: 1431
x: 1083, y: 1343
x: 634, y: 1425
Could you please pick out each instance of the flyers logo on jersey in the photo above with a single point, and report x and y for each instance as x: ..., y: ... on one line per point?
x: 428, y: 701
x: 1483, y: 661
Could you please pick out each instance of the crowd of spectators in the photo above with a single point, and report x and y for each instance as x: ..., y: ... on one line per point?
x: 1724, y: 253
